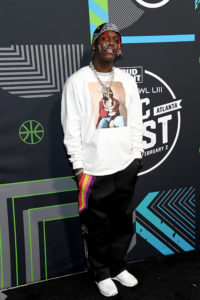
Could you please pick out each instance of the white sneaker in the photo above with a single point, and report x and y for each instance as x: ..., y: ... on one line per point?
x: 127, y: 279
x: 107, y: 287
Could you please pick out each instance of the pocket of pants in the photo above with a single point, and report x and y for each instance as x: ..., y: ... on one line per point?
x: 134, y: 169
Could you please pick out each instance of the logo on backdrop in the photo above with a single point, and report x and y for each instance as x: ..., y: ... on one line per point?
x: 161, y: 117
x: 31, y: 132
x: 152, y: 4
x: 136, y: 72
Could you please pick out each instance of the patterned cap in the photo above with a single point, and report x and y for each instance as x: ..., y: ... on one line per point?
x: 102, y: 28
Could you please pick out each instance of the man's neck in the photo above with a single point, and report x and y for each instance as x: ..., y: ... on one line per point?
x: 104, y: 67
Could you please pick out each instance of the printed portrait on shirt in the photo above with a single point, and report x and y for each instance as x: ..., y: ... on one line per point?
x: 108, y: 105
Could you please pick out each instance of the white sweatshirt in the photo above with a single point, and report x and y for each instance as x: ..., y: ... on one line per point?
x: 101, y: 136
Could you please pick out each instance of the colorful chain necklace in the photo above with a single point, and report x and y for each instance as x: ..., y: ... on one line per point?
x: 110, y: 80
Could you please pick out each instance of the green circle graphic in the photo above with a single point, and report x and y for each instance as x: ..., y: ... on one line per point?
x: 31, y: 132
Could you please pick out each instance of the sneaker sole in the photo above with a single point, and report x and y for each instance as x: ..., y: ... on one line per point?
x: 104, y: 294
x: 132, y: 285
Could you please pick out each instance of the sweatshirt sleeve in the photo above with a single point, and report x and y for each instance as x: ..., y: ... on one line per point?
x: 137, y: 122
x: 71, y: 123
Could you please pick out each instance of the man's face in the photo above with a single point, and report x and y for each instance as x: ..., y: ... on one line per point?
x: 107, y: 46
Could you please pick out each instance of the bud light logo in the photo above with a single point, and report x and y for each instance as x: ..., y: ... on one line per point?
x: 136, y: 72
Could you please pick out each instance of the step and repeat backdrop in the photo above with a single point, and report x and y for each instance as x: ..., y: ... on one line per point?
x: 44, y: 42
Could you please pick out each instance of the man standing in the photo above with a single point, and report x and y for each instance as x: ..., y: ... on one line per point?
x: 105, y: 160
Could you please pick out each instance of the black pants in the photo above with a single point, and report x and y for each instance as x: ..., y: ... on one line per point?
x: 106, y: 207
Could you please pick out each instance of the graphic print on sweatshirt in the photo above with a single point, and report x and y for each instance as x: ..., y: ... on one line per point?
x: 109, y: 105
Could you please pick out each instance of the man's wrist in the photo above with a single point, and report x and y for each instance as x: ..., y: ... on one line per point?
x: 78, y: 172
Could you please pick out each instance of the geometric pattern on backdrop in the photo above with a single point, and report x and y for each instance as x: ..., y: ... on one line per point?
x: 197, y: 2
x: 31, y: 219
x: 114, y: 12
x: 37, y: 71
x: 10, y: 196
x: 98, y: 14
x: 166, y: 220
x: 117, y: 11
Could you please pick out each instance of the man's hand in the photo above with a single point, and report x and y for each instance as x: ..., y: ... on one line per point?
x: 139, y: 161
x: 112, y: 113
x: 79, y: 173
